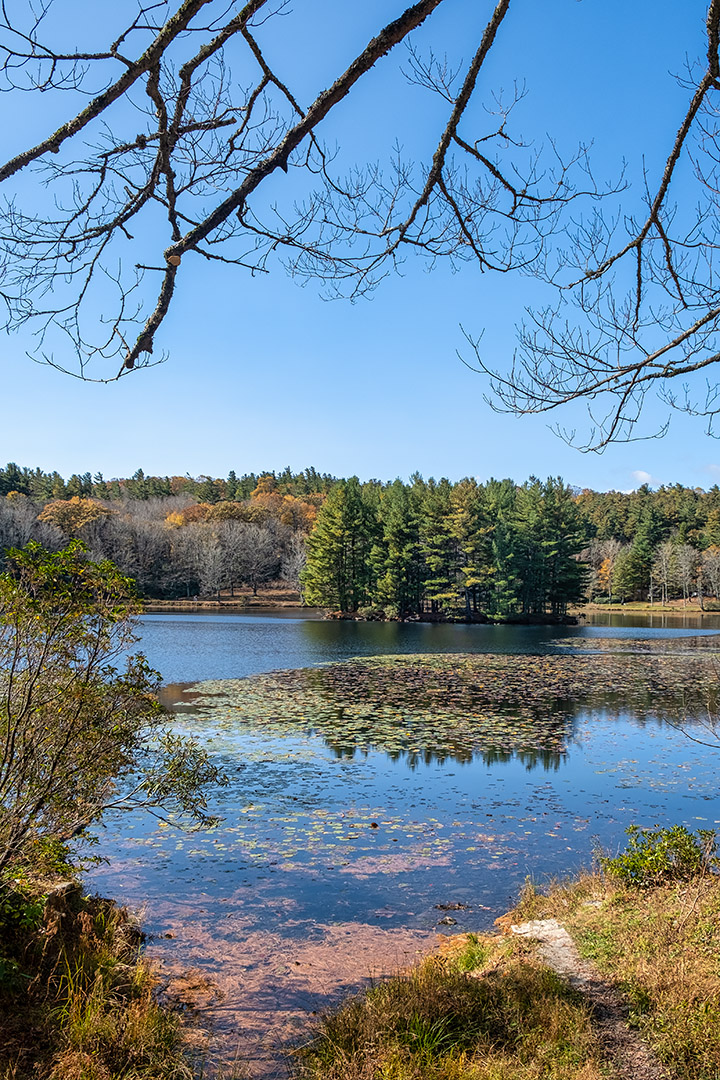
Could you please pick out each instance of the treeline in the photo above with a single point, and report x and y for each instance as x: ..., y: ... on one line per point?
x: 403, y: 549
x: 465, y: 550
x: 42, y: 486
x: 174, y: 546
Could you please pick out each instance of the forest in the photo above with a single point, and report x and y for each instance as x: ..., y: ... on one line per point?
x: 425, y: 548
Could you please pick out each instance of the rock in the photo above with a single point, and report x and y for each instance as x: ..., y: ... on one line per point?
x: 57, y: 903
x: 447, y: 921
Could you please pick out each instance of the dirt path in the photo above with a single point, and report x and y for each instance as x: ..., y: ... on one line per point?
x: 632, y: 1059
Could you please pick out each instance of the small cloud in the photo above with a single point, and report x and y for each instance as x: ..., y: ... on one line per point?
x: 642, y: 477
x: 714, y: 469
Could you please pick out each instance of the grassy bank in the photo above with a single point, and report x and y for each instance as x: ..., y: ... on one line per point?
x: 77, y: 1001
x: 240, y: 600
x: 673, y: 607
x: 660, y: 946
x: 487, y: 1009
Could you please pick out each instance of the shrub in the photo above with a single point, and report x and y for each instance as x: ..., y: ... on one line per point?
x: 655, y: 856
x: 80, y: 734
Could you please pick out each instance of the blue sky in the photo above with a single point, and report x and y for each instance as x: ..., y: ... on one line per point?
x: 264, y: 373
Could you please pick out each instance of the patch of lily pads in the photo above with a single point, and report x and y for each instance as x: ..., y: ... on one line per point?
x: 460, y: 705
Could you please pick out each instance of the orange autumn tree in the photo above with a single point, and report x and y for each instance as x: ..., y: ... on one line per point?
x: 266, y: 503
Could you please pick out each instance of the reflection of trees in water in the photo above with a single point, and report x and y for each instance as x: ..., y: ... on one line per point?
x: 431, y: 708
x: 550, y: 760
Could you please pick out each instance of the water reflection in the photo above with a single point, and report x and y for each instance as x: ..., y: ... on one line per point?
x: 189, y: 648
x: 433, y: 708
x: 364, y: 794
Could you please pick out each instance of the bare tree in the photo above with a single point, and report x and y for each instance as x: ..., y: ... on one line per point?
x: 688, y: 559
x: 211, y: 561
x: 601, y: 556
x: 254, y: 554
x: 665, y: 569
x: 186, y: 553
x: 19, y: 524
x: 711, y: 570
x: 179, y: 154
x: 294, y: 559
x: 638, y: 306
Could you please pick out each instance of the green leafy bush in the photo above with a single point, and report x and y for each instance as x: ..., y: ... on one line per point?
x: 80, y: 725
x: 655, y: 856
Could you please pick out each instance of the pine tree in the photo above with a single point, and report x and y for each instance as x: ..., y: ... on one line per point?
x: 438, y: 546
x: 562, y: 541
x: 470, y: 528
x: 339, y: 570
x: 504, y: 584
x: 396, y: 554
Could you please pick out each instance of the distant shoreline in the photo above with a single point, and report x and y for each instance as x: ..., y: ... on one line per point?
x: 271, y: 600
x: 675, y: 607
x: 264, y: 604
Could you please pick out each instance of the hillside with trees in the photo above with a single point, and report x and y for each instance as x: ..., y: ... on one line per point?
x: 426, y: 548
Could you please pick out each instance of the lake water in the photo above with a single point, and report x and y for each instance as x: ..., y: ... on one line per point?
x: 189, y: 648
x: 368, y: 797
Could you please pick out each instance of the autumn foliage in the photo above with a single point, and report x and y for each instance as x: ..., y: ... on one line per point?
x: 73, y: 515
x: 266, y: 503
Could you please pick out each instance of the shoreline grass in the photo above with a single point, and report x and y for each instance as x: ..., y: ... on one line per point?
x: 77, y: 999
x: 660, y: 948
x: 488, y: 1010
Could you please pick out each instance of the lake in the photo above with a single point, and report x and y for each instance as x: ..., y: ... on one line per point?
x: 406, y: 790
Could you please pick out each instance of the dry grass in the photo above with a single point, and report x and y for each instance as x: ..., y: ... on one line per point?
x: 661, y: 947
x: 489, y: 1011
x: 76, y: 1000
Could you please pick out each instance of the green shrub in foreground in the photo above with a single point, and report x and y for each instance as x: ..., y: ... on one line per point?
x: 656, y: 856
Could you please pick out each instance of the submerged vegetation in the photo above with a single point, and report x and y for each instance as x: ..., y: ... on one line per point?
x: 459, y: 705
x: 83, y: 732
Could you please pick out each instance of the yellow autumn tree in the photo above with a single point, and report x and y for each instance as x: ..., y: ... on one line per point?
x: 605, y: 575
x: 71, y: 516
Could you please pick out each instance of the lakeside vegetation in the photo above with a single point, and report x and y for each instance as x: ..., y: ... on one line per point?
x: 81, y: 733
x: 488, y: 1008
x: 654, y: 934
x: 422, y: 549
x: 85, y: 733
x: 77, y: 999
x: 485, y: 1011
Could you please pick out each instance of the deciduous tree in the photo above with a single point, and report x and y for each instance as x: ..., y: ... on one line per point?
x: 191, y: 145
x: 81, y: 730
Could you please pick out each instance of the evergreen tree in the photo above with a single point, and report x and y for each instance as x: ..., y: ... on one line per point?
x: 99, y: 488
x: 396, y: 554
x: 634, y: 566
x: 13, y: 478
x: 339, y: 569
x: 231, y: 485
x: 471, y: 530
x: 711, y: 531
x: 503, y: 583
x: 136, y: 486
x: 562, y: 539
x: 529, y: 554
x: 438, y: 546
